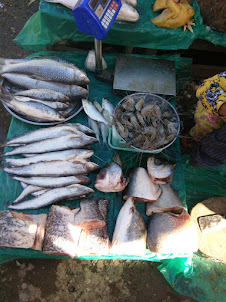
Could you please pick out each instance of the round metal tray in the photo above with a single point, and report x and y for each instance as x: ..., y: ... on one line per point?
x: 74, y: 109
x: 137, y: 96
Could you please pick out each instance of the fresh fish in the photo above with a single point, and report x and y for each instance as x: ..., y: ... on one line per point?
x: 97, y: 105
x: 93, y: 112
x: 53, y: 182
x: 28, y: 190
x: 167, y: 200
x: 52, y: 196
x: 33, y: 109
x: 54, y: 168
x: 104, y: 133
x: 110, y: 179
x: 172, y: 233
x: 127, y: 13
x: 37, y: 193
x: 130, y: 233
x: 90, y: 62
x: 46, y: 133
x: 48, y: 70
x: 68, y: 3
x: 43, y: 94
x: 95, y: 127
x: 18, y: 230
x: 96, y: 241
x: 89, y: 217
x: 62, y: 236
x: 23, y: 185
x: 107, y: 106
x: 131, y: 2
x: 54, y: 105
x: 159, y: 171
x: 27, y: 82
x: 141, y: 187
x: 68, y: 155
x: 55, y: 144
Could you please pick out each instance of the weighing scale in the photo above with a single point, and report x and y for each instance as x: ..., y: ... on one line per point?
x: 132, y: 74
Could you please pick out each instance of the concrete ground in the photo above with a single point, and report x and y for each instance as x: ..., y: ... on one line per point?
x: 35, y: 280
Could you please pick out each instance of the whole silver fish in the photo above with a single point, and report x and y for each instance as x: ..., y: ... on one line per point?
x: 93, y: 112
x: 54, y: 168
x: 53, y: 182
x: 127, y: 13
x: 27, y: 191
x: 46, y: 133
x: 68, y: 155
x: 55, y: 144
x: 54, y: 105
x: 130, y: 233
x: 52, y: 196
x: 48, y: 70
x: 25, y: 81
x: 95, y: 127
x: 33, y: 110
x: 44, y: 94
x: 107, y: 106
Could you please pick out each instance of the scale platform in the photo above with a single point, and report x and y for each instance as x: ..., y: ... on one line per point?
x: 136, y: 74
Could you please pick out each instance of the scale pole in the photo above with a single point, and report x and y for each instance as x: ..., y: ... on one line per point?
x: 98, y: 55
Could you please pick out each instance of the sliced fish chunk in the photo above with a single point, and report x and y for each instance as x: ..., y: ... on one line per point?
x: 130, y: 233
x: 167, y: 200
x: 18, y: 230
x: 172, y: 233
x: 141, y: 187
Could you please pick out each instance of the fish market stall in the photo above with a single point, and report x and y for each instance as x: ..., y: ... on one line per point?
x: 10, y: 188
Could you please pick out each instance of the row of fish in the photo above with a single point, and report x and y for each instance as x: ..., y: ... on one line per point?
x: 145, y: 122
x: 42, y: 89
x: 84, y: 231
x: 127, y: 12
x: 54, y: 164
x: 100, y: 117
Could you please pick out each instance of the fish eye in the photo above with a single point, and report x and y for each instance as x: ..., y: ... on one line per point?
x: 157, y: 161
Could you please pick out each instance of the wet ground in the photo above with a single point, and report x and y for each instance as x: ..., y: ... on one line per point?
x: 35, y: 280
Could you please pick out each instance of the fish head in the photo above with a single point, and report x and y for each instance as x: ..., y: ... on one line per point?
x: 159, y: 171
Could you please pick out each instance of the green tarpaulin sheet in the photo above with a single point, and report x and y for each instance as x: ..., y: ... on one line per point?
x: 54, y: 23
x: 196, y: 276
x: 10, y: 189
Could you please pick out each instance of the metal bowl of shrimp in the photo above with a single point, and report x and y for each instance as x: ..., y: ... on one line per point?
x: 146, y: 122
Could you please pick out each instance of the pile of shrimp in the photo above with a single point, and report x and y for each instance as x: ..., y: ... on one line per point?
x: 145, y: 122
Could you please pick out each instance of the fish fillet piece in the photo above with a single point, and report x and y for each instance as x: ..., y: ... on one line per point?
x: 96, y: 242
x: 18, y: 230
x: 172, y: 232
x: 167, y: 200
x: 62, y: 236
x: 127, y: 13
x: 89, y: 216
x: 130, y: 233
x: 110, y: 179
x: 141, y: 187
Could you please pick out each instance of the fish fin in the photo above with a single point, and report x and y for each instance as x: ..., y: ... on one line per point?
x: 117, y: 159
